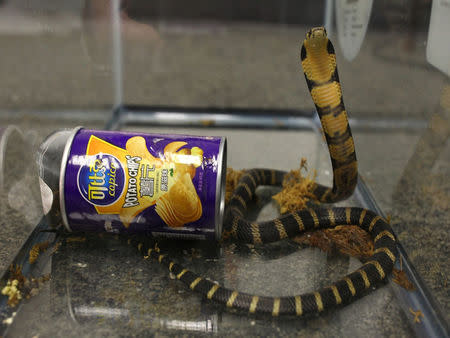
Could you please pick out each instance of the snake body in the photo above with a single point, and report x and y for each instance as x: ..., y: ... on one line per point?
x: 319, y: 65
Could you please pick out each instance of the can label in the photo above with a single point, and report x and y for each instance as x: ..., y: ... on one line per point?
x: 128, y: 182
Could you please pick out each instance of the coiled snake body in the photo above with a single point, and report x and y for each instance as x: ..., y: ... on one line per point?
x: 319, y: 65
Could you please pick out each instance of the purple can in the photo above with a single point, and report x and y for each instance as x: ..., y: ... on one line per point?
x: 124, y: 182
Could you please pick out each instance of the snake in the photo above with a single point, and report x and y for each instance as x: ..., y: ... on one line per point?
x: 318, y: 60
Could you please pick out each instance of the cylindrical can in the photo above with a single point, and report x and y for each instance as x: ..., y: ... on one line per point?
x: 122, y: 182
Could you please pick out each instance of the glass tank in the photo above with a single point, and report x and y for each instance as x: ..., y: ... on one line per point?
x: 221, y: 69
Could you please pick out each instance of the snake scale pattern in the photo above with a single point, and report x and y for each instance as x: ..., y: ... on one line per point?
x: 319, y: 65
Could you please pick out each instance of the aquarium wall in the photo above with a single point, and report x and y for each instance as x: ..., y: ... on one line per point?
x: 59, y: 54
x: 232, y: 68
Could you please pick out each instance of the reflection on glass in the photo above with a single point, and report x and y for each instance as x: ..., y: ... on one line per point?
x: 422, y: 185
x: 20, y: 207
x: 438, y: 47
x: 18, y: 181
x: 123, y: 289
x: 98, y: 29
x: 352, y: 18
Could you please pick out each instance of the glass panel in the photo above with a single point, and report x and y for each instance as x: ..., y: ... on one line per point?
x: 68, y: 63
x: 105, y: 285
x: 56, y: 55
x: 224, y: 55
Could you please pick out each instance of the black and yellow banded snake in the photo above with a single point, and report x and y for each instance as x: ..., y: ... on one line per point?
x: 319, y: 65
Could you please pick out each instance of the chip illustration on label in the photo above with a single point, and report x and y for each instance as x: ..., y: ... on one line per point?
x: 152, y: 183
x: 165, y: 181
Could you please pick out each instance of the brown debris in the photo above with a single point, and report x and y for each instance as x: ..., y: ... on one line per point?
x: 207, y: 123
x: 388, y: 218
x: 296, y: 193
x: 16, y: 273
x: 14, y: 285
x: 417, y: 314
x: 36, y: 250
x: 233, y: 177
x: 401, y: 279
x: 19, y: 287
x: 297, y: 190
x: 73, y: 239
x: 348, y: 240
x: 56, y: 247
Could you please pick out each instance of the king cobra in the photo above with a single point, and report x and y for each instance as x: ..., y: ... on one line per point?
x: 319, y: 65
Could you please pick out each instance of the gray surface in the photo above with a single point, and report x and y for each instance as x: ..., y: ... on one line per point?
x: 102, y: 286
x: 68, y: 64
x: 258, y: 66
x: 94, y: 280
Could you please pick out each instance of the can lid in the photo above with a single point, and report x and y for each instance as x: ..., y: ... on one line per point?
x: 51, y: 160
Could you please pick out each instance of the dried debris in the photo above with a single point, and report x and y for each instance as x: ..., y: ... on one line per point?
x: 36, y: 250
x: 296, y: 193
x: 19, y: 287
x: 233, y: 177
x: 56, y: 247
x: 11, y: 290
x: 75, y: 239
x: 348, y: 240
x: 417, y: 314
x: 297, y: 190
x: 401, y: 279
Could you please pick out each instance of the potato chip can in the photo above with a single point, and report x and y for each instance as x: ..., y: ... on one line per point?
x: 125, y: 182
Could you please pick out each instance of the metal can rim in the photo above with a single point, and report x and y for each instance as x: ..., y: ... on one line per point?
x: 62, y: 177
x: 220, y: 188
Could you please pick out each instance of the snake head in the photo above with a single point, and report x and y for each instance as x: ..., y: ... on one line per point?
x: 316, y: 37
x: 316, y: 33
